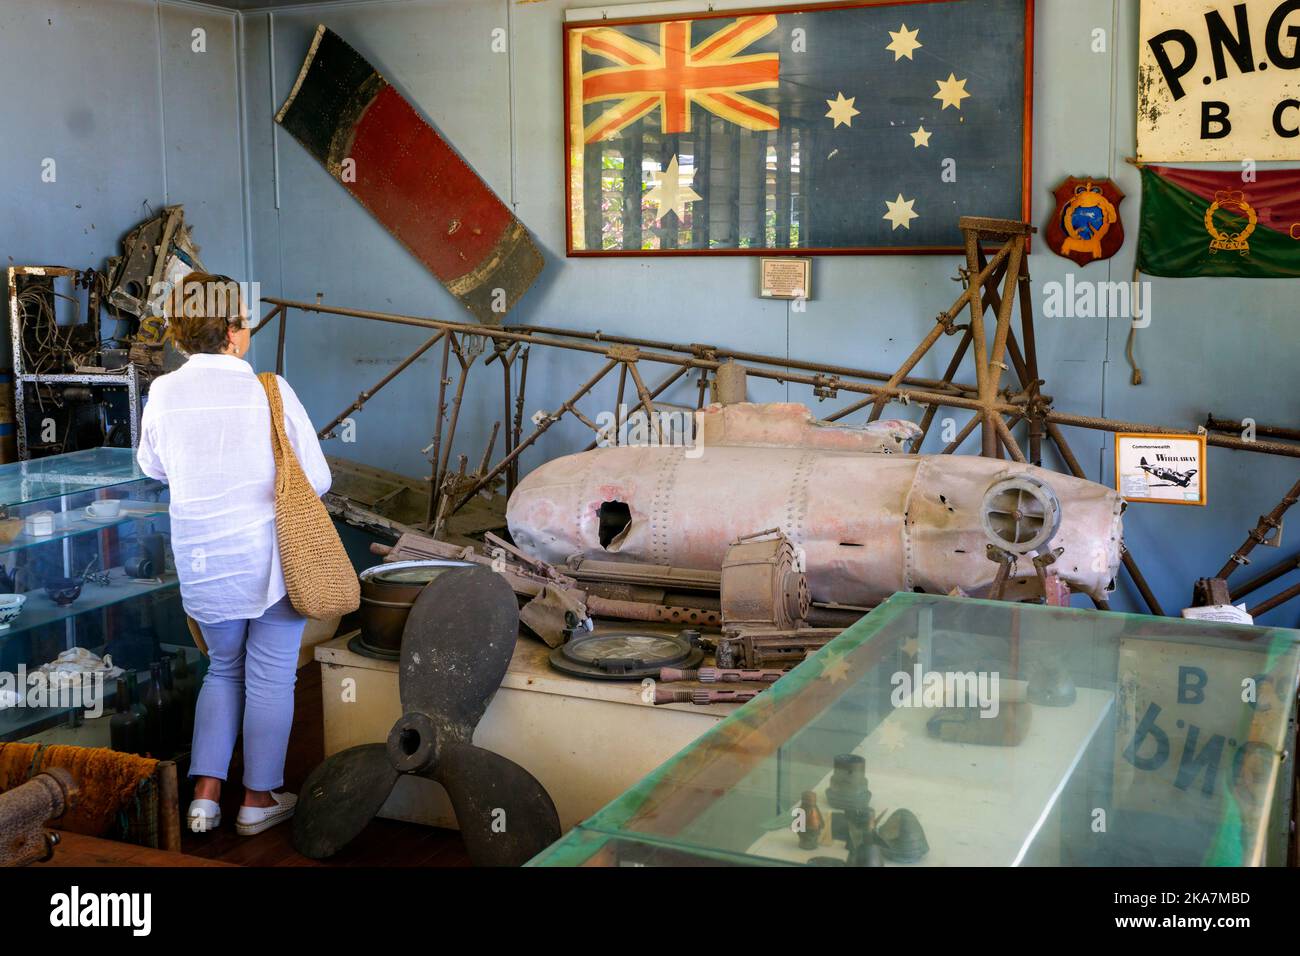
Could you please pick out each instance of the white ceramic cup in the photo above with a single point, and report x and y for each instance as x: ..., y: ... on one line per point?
x: 105, y: 508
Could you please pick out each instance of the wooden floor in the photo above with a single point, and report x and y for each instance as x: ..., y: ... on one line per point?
x: 383, y: 843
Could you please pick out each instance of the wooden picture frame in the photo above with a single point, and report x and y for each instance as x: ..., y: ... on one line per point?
x: 604, y: 217
x: 1156, y: 462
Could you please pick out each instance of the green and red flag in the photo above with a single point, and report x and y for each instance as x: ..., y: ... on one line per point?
x: 1198, y: 222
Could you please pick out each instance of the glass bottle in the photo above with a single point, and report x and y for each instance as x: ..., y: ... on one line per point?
x: 124, y: 727
x: 162, y: 718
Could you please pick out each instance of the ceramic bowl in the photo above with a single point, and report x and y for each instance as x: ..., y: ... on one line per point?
x: 63, y: 591
x: 11, y: 605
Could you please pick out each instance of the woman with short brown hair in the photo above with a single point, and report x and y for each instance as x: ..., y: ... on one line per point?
x: 206, y: 432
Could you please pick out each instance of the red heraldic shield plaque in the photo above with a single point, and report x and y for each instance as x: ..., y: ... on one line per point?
x: 395, y: 164
x: 1086, y: 226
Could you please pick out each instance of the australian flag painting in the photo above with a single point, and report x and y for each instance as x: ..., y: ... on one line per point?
x: 865, y: 128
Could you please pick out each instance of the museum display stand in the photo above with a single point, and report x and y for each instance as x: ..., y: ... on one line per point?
x: 1119, y: 740
x: 586, y: 741
x: 85, y: 550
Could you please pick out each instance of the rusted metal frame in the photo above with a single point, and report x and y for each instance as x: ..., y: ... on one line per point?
x: 654, y: 392
x: 507, y: 356
x: 710, y: 355
x: 537, y: 433
x: 1034, y: 382
x: 974, y: 291
x: 1277, y: 600
x: 618, y: 403
x: 1218, y: 441
x: 993, y: 366
x: 970, y: 426
x: 910, y: 393
x: 1008, y: 440
x: 435, y: 472
x: 279, y: 342
x: 455, y: 403
x: 368, y: 394
x: 988, y: 445
x: 958, y: 356
x: 1268, y: 577
x: 266, y: 320
x: 1259, y: 534
x: 647, y: 400
x: 518, y: 428
x: 1072, y: 463
x: 1272, y: 431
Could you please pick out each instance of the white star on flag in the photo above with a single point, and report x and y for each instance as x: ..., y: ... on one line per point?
x: 951, y: 91
x: 670, y: 194
x: 901, y: 212
x: 841, y: 110
x: 921, y: 137
x: 904, y: 43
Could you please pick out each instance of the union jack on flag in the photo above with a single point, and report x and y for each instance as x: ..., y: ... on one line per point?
x: 713, y: 74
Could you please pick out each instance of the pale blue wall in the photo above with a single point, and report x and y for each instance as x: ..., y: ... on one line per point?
x: 1215, y: 345
x: 134, y: 120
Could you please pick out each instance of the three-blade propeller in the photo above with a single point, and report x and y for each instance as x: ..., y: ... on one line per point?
x: 456, y: 647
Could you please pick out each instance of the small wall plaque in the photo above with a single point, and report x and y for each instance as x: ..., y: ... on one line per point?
x: 1167, y: 469
x: 782, y: 277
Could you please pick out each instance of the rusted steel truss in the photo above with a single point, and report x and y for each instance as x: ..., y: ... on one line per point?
x: 996, y: 284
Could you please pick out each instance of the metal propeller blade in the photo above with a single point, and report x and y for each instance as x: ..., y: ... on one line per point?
x: 340, y: 797
x: 505, y: 816
x: 457, y: 644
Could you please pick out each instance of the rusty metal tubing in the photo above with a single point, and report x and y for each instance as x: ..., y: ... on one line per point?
x: 266, y: 320
x: 1268, y: 577
x: 518, y: 428
x: 435, y: 476
x: 641, y: 611
x: 654, y: 393
x: 1072, y: 463
x: 1277, y: 600
x: 1272, y: 431
x: 455, y: 406
x: 1259, y: 534
x: 958, y: 356
x: 1219, y: 441
x: 534, y: 335
x: 369, y: 393
x: 537, y: 433
x: 1004, y: 433
x: 279, y: 344
x: 922, y: 396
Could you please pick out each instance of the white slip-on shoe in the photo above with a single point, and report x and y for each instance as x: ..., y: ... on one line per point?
x: 253, y: 820
x: 204, y: 816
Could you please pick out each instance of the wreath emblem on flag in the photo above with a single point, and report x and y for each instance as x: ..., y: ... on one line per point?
x: 1231, y: 241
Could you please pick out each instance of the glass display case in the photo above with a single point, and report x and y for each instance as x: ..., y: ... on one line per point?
x: 950, y: 731
x: 90, y: 614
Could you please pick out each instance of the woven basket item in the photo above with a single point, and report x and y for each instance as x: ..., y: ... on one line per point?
x: 317, y: 573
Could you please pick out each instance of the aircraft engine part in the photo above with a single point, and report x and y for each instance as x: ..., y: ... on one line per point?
x: 868, y: 525
x: 762, y: 585
x: 1021, y: 515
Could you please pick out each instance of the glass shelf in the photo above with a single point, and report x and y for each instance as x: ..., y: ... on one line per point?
x: 40, y: 611
x: 70, y: 524
x: 25, y: 482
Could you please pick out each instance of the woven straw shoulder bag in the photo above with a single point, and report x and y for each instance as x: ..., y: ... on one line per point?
x: 317, y: 572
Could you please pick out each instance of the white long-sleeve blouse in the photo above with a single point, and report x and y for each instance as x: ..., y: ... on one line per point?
x: 206, y: 432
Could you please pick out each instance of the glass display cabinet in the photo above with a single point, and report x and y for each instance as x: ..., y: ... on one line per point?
x: 950, y: 731
x: 90, y: 615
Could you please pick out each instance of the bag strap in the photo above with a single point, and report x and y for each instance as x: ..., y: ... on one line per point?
x: 280, y: 446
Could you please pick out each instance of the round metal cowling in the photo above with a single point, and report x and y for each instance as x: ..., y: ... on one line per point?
x: 387, y: 593
x: 763, y: 585
x: 625, y: 655
x: 1020, y: 514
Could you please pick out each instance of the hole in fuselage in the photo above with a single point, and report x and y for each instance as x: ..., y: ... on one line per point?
x: 615, y: 516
